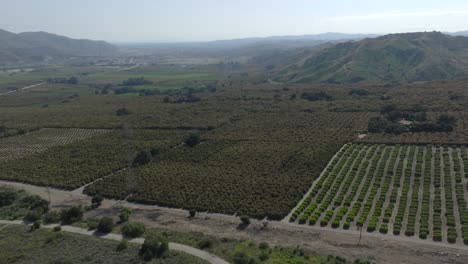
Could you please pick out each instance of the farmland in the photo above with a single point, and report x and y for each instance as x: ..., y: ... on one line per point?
x: 63, y: 166
x: 39, y: 141
x: 412, y: 190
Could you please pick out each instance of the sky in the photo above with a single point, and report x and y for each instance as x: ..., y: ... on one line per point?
x: 204, y: 20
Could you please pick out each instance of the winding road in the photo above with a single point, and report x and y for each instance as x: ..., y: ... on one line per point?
x: 172, y: 246
x: 24, y: 88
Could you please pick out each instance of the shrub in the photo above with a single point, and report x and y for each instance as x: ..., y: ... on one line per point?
x: 106, y: 224
x: 133, y: 229
x: 125, y: 214
x: 243, y: 258
x: 122, y: 245
x: 57, y: 228
x: 72, y: 215
x: 205, y: 243
x: 192, y: 139
x: 52, y: 217
x: 33, y: 215
x: 263, y: 246
x: 154, y: 247
x: 346, y: 225
x: 92, y: 224
x: 245, y: 219
x: 97, y: 199
x: 122, y: 112
x: 143, y: 157
x: 192, y: 213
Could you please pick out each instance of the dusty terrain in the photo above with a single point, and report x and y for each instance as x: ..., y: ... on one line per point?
x: 373, y: 246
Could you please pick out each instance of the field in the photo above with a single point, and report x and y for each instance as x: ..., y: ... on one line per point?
x: 77, y: 163
x: 415, y: 190
x: 20, y: 245
x: 39, y: 141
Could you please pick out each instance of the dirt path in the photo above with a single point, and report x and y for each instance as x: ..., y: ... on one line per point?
x: 368, y: 191
x: 403, y: 161
x: 24, y: 88
x: 172, y: 246
x: 392, y: 186
x: 323, y: 174
x: 430, y: 235
x: 410, y: 173
x: 374, y: 246
x: 442, y: 196
x: 417, y: 224
x: 374, y: 199
x: 456, y: 212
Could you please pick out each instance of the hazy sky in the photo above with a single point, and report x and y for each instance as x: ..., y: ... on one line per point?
x: 200, y: 20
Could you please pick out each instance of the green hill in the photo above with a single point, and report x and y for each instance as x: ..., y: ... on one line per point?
x: 39, y: 46
x: 396, y: 57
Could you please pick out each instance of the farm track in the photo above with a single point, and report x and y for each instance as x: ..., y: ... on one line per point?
x: 463, y: 175
x: 456, y: 212
x: 331, y: 205
x: 24, y: 88
x: 442, y: 196
x: 390, y: 189
x: 368, y: 191
x: 380, y: 184
x: 328, y: 191
x: 116, y: 237
x: 286, y: 219
x: 417, y: 227
x: 355, y: 181
x: 403, y: 161
x: 405, y: 222
x: 383, y: 248
x: 432, y: 197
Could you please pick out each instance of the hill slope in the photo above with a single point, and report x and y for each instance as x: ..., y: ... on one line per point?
x: 37, y: 46
x: 396, y: 57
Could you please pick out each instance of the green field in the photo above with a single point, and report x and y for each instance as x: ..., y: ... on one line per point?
x: 413, y: 190
x: 20, y: 245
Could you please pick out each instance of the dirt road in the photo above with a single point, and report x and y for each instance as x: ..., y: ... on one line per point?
x: 24, y: 88
x: 172, y: 246
x: 373, y: 246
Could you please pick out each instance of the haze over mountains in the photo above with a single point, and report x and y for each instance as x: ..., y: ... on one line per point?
x: 391, y: 58
x: 40, y: 46
x: 327, y: 57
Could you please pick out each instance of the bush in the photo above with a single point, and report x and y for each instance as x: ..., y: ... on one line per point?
x: 52, y: 217
x: 122, y: 245
x: 57, y: 228
x: 205, y: 243
x: 192, y: 213
x: 122, y: 112
x: 7, y: 196
x: 125, y: 214
x: 97, y: 199
x: 33, y: 215
x: 133, y: 229
x: 243, y: 258
x: 154, y: 247
x: 245, y: 219
x: 106, y: 224
x: 72, y: 215
x: 143, y: 157
x: 192, y: 139
x: 92, y: 224
x: 36, y: 224
x: 263, y: 246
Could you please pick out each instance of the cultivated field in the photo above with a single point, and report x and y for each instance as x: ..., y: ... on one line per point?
x: 412, y: 190
x: 72, y: 165
x: 19, y: 146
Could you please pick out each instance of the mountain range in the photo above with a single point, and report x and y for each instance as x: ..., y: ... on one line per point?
x: 40, y: 46
x: 396, y: 57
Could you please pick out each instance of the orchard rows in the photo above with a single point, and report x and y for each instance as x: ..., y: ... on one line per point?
x: 412, y: 190
x: 19, y: 146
